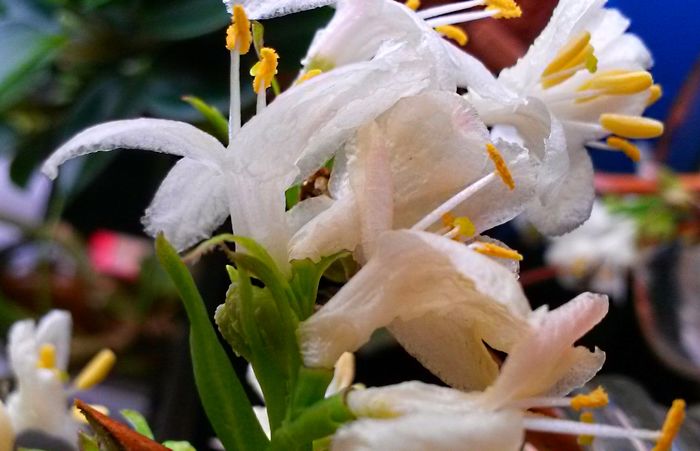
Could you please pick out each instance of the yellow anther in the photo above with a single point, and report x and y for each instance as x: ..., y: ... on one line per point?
x: 96, y: 370
x: 448, y: 220
x: 309, y: 75
x: 47, y: 357
x: 586, y: 440
x: 672, y: 424
x: 507, y: 9
x: 413, y: 4
x: 238, y: 34
x: 455, y: 33
x: 625, y: 146
x: 265, y: 69
x: 494, y: 250
x: 568, y: 53
x: 617, y: 83
x: 655, y: 93
x: 465, y: 226
x: 501, y: 166
x: 80, y: 417
x: 634, y: 127
x: 593, y: 400
x: 578, y: 52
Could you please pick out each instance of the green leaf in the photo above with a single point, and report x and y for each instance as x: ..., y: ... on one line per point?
x: 184, y: 19
x: 306, y: 276
x: 87, y: 442
x: 138, y: 422
x: 179, y: 446
x: 24, y: 52
x: 212, y: 115
x: 221, y: 392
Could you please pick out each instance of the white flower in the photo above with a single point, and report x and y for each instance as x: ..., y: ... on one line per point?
x: 542, y: 367
x: 421, y: 153
x: 601, y: 252
x: 591, y: 77
x: 442, y: 300
x: 38, y: 355
x: 284, y: 143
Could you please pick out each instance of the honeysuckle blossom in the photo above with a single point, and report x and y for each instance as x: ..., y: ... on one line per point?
x: 379, y: 182
x: 599, y: 254
x: 284, y: 143
x: 590, y: 77
x: 447, y: 304
x: 418, y: 416
x: 38, y: 355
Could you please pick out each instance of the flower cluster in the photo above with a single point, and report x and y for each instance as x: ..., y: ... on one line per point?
x: 407, y: 175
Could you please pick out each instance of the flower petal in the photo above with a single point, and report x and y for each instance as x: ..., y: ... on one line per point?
x: 56, y: 328
x: 189, y: 205
x: 416, y: 275
x: 157, y: 135
x: 545, y: 361
x: 266, y: 9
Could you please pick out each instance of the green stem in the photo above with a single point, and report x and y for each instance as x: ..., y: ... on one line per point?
x: 320, y: 420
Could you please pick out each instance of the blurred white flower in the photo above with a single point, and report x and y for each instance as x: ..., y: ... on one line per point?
x: 598, y: 254
x: 583, y: 79
x: 38, y: 355
x: 543, y: 366
x: 447, y: 304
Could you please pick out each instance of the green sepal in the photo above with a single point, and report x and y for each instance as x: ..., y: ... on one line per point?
x: 222, y: 395
x: 137, y: 422
x: 306, y: 276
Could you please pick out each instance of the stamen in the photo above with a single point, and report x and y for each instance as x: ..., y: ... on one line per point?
x: 452, y: 203
x: 568, y: 427
x: 461, y: 18
x: 593, y: 400
x: 586, y: 440
x: 501, y: 166
x: 413, y: 4
x: 455, y: 33
x: 96, y: 370
x: 493, y: 250
x: 265, y: 69
x: 625, y: 146
x: 672, y: 424
x: 449, y: 8
x: 47, y: 357
x: 655, y: 93
x: 238, y: 35
x: 507, y: 9
x: 459, y: 228
x: 634, y: 127
x: 309, y: 75
x: 616, y: 83
x: 578, y: 52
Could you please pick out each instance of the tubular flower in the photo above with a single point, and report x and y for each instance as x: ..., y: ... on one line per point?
x: 417, y: 416
x: 379, y: 181
x: 38, y: 356
x: 283, y: 144
x: 440, y: 299
x: 591, y: 80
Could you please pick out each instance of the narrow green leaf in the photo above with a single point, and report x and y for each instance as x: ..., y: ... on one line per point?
x: 138, y: 422
x: 179, y: 446
x: 220, y: 390
x: 212, y: 115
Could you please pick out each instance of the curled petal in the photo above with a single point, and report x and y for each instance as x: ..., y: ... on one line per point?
x: 157, y: 135
x: 267, y: 9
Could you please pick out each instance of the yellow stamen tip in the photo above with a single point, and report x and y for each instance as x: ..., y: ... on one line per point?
x: 625, y: 146
x: 586, y: 440
x: 80, y: 417
x: 593, y: 400
x: 96, y: 370
x: 47, y: 357
x: 501, y: 166
x: 309, y: 75
x: 465, y: 226
x: 619, y: 83
x: 413, y: 4
x: 634, y: 127
x: 672, y: 425
x: 493, y: 250
x: 507, y: 9
x: 238, y: 35
x: 265, y: 70
x: 455, y: 33
x: 448, y: 220
x: 655, y: 93
x: 568, y: 53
